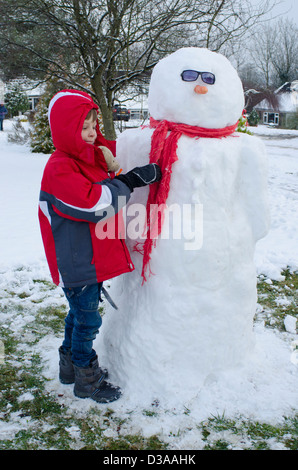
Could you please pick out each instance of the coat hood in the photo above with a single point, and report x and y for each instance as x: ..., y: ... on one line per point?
x: 67, y: 111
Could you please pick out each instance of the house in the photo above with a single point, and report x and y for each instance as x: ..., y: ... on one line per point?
x: 137, y: 105
x: 283, y: 108
x: 34, y: 95
x: 28, y: 87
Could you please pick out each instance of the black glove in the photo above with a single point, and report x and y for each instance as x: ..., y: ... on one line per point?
x: 141, y: 176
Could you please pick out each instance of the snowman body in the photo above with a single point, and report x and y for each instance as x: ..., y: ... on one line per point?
x: 194, y: 315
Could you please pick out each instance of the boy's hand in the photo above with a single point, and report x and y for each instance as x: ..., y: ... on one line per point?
x: 141, y: 176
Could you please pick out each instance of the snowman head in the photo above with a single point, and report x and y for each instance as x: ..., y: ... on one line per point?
x: 197, y: 87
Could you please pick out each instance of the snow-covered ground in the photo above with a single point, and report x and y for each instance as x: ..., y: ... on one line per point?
x: 279, y: 249
x: 265, y: 389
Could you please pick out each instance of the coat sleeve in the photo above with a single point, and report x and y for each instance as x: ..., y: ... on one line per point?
x: 73, y: 196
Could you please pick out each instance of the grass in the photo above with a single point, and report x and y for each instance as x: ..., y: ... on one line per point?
x: 250, y: 435
x: 33, y: 417
x: 278, y: 299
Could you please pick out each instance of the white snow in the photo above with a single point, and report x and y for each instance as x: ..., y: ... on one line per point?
x: 290, y: 324
x: 20, y: 240
x: 263, y: 389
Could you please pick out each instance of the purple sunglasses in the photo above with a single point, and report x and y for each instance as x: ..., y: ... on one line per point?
x: 193, y: 75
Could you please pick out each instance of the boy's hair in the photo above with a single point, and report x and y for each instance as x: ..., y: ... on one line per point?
x: 92, y: 114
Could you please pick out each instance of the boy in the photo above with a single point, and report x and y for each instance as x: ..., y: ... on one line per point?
x: 77, y: 190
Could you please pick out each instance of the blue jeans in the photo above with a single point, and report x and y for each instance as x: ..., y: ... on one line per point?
x: 82, y: 322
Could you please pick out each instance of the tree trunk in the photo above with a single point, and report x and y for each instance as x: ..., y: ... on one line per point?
x: 108, y: 123
x: 105, y: 107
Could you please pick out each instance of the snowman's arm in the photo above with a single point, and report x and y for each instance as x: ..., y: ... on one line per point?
x: 133, y: 150
x: 253, y: 185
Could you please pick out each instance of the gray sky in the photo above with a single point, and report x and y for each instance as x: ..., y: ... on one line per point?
x: 287, y: 8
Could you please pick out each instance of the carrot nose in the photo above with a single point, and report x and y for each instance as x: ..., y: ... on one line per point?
x: 201, y: 90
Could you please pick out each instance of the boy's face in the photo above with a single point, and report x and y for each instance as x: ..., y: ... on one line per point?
x: 89, y: 131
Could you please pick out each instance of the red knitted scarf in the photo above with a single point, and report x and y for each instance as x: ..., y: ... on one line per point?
x: 163, y: 152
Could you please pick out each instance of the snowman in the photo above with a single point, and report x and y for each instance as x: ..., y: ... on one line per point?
x: 186, y: 312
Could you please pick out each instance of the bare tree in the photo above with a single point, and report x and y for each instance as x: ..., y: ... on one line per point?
x: 264, y: 45
x: 274, y: 53
x: 285, y: 57
x: 232, y: 19
x: 102, y: 46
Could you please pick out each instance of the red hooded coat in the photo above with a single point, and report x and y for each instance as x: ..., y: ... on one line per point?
x: 81, y: 226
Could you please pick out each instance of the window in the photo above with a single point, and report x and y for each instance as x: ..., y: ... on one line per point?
x: 139, y: 114
x: 271, y: 118
x: 33, y: 102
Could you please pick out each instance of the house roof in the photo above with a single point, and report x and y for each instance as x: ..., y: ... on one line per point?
x: 287, y: 96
